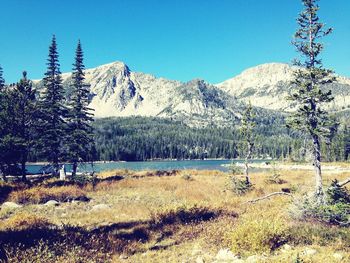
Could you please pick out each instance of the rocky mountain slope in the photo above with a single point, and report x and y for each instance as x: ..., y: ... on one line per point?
x: 118, y: 91
x: 268, y: 85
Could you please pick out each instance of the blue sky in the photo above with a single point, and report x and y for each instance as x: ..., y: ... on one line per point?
x: 175, y: 39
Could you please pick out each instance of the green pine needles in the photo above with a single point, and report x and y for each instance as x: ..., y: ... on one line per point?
x: 310, y: 79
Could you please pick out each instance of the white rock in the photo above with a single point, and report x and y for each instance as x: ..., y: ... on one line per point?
x: 52, y: 203
x: 338, y: 256
x: 100, y: 207
x: 310, y: 251
x: 286, y: 247
x: 253, y: 259
x: 225, y: 255
x: 199, y: 260
x: 10, y: 205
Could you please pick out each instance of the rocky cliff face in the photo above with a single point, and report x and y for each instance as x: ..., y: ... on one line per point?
x: 268, y: 85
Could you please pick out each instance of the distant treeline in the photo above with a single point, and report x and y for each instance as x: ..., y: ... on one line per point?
x: 140, y: 138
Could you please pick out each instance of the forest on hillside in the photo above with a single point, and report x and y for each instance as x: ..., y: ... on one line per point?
x: 141, y: 138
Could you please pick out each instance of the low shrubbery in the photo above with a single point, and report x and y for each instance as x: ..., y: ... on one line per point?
x: 39, y: 195
x: 240, y: 186
x: 258, y: 234
x: 183, y: 214
x: 24, y: 221
x: 336, y: 209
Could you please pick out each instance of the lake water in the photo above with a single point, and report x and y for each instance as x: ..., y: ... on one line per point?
x: 151, y: 165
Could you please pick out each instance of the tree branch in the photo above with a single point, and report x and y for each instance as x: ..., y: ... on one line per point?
x: 344, y: 182
x: 268, y: 196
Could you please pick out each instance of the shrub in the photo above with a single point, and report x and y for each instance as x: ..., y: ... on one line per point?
x: 258, y: 234
x: 183, y: 214
x: 84, y: 179
x: 235, y: 169
x: 336, y: 210
x: 275, y: 178
x: 187, y: 177
x: 39, y: 195
x: 24, y: 221
x: 240, y: 186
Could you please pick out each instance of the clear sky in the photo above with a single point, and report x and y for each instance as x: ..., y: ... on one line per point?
x: 176, y: 39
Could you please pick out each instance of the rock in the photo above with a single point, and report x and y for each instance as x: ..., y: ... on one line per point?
x: 199, y: 260
x: 123, y: 256
x: 225, y: 255
x: 10, y: 205
x: 52, y: 203
x: 310, y: 251
x: 100, y: 207
x: 196, y: 250
x: 286, y: 247
x: 253, y: 259
x: 338, y: 256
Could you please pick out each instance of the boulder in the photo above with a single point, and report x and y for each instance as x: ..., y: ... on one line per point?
x: 100, y: 207
x: 225, y: 255
x: 310, y: 251
x: 338, y: 256
x: 52, y: 203
x: 10, y: 205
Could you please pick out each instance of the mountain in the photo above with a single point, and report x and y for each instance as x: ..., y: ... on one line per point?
x: 116, y: 91
x: 268, y: 85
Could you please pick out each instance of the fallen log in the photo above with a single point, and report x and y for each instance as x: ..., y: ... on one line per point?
x: 268, y: 196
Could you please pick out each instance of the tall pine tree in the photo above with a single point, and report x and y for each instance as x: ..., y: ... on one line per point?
x: 309, y: 80
x: 26, y: 109
x: 247, y: 132
x: 53, y: 110
x: 80, y: 141
x: 2, y: 80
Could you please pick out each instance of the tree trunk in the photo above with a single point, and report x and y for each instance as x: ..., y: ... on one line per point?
x: 23, y: 169
x: 319, y: 193
x: 246, y: 167
x: 74, y: 169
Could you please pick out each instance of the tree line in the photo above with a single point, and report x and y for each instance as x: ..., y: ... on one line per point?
x: 46, y: 123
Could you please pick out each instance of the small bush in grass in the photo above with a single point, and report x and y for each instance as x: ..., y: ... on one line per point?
x: 235, y: 169
x: 39, y: 195
x: 84, y: 179
x: 183, y: 214
x: 24, y: 221
x: 240, y: 186
x: 335, y: 211
x: 258, y: 234
x: 187, y: 177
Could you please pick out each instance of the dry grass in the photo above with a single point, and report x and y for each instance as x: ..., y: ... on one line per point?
x: 39, y: 195
x: 159, y: 217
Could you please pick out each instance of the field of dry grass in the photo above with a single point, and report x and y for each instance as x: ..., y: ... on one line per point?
x: 184, y: 216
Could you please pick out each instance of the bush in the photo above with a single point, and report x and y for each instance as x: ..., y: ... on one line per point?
x: 235, y: 169
x: 39, y: 195
x: 84, y: 179
x: 258, y: 234
x: 187, y: 177
x: 24, y: 221
x: 240, y: 186
x: 183, y: 214
x: 275, y: 179
x: 336, y: 210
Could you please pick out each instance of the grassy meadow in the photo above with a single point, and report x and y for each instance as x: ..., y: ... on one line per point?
x: 179, y: 216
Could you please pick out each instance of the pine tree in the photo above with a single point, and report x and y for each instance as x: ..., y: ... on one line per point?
x: 309, y: 80
x: 246, y: 129
x: 10, y: 144
x: 2, y: 81
x: 80, y: 141
x: 53, y: 111
x: 25, y: 103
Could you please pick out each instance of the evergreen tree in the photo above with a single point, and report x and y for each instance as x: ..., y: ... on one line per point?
x: 246, y: 129
x: 2, y: 80
x: 53, y: 111
x: 25, y: 104
x: 310, y: 79
x: 10, y: 144
x: 80, y: 141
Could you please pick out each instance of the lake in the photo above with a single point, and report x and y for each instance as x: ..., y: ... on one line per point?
x: 150, y: 165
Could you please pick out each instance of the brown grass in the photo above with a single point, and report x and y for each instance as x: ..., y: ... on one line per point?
x: 39, y: 195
